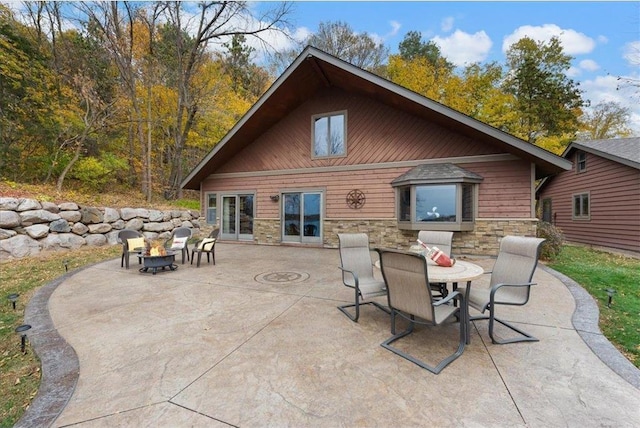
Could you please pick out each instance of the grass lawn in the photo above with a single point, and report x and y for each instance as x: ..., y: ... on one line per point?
x: 598, y: 271
x: 20, y: 373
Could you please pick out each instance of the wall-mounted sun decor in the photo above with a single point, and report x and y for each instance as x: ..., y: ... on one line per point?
x: 356, y: 199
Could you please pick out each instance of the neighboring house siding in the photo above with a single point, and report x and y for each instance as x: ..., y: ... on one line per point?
x: 614, y: 195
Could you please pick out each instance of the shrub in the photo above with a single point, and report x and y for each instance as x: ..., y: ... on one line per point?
x: 552, y: 246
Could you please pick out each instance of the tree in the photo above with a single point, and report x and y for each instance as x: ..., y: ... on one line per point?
x: 547, y: 100
x: 215, y: 21
x: 606, y: 120
x: 412, y: 47
x: 248, y: 79
x: 340, y: 40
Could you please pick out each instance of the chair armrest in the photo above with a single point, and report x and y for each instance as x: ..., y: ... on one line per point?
x: 496, y: 287
x: 450, y: 296
x: 355, y: 275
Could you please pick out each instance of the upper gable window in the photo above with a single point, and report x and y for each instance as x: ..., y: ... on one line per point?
x: 581, y: 161
x: 329, y: 135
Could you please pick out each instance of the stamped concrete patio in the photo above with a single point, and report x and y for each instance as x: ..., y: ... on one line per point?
x: 256, y: 340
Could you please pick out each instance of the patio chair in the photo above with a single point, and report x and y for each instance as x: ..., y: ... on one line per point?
x: 131, y: 241
x: 510, y: 283
x: 206, y: 246
x: 442, y: 240
x: 178, y: 241
x: 357, y: 273
x: 410, y: 297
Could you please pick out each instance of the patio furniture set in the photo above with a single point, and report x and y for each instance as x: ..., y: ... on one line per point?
x: 161, y: 256
x: 416, y: 287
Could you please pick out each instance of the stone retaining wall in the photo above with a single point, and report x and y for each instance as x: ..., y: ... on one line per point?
x: 28, y: 226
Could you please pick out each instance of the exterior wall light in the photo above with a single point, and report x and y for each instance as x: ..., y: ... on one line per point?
x: 275, y: 198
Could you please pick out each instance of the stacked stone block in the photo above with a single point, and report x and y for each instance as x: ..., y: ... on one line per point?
x: 28, y: 226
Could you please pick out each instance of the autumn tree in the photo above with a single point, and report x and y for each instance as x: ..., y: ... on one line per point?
x: 213, y: 22
x: 606, y: 120
x: 548, y: 102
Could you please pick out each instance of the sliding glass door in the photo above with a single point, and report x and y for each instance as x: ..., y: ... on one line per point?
x: 302, y: 217
x: 237, y: 217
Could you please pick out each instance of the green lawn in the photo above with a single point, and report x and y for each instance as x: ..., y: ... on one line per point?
x: 598, y: 271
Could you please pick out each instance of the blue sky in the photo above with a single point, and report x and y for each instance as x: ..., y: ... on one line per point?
x: 603, y: 37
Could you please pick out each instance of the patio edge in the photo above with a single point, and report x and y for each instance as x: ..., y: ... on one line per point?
x: 585, y: 322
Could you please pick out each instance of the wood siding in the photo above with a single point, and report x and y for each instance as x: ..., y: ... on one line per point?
x: 504, y: 193
x: 614, y: 194
x: 375, y: 133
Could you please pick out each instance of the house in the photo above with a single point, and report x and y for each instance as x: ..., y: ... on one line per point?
x: 332, y: 148
x: 597, y: 202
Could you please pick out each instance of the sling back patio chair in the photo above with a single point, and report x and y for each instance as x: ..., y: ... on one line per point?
x: 510, y: 283
x: 442, y: 240
x: 357, y: 273
x: 206, y: 246
x: 179, y: 241
x: 132, y: 241
x: 410, y: 297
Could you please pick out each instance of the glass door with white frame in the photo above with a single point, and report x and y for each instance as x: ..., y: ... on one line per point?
x: 237, y: 217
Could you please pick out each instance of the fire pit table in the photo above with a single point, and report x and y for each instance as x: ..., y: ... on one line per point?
x: 158, y: 261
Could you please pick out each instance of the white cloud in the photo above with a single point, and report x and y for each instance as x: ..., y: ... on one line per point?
x: 573, y: 72
x: 589, y: 65
x: 632, y: 53
x: 395, y: 27
x: 447, y: 24
x: 463, y: 48
x: 573, y: 42
x: 608, y: 88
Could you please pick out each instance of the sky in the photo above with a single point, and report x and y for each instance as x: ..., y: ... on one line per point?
x: 602, y: 37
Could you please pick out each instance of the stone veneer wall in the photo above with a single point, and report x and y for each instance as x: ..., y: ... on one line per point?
x: 484, y: 240
x: 28, y: 226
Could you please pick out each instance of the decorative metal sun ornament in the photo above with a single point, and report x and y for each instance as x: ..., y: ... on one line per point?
x: 356, y: 199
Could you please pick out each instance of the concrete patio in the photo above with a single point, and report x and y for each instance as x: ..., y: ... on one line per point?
x: 256, y: 340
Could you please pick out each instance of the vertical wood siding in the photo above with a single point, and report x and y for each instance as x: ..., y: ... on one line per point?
x: 614, y: 193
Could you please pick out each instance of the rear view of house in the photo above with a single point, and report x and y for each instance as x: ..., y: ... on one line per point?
x: 597, y: 202
x: 331, y: 148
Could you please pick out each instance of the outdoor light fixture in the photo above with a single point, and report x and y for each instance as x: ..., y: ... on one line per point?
x: 610, y: 293
x: 275, y: 198
x: 13, y: 298
x: 66, y: 268
x: 22, y: 331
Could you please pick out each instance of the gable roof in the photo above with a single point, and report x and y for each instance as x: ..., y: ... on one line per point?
x: 622, y: 150
x: 314, y: 69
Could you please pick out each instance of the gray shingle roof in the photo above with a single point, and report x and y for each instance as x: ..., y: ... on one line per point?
x: 441, y: 173
x: 622, y: 150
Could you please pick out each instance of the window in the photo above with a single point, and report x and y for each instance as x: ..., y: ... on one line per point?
x: 329, y: 135
x: 546, y: 210
x: 211, y: 208
x: 581, y: 206
x: 437, y: 197
x: 581, y: 161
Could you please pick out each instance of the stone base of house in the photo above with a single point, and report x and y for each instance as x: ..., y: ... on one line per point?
x: 484, y: 240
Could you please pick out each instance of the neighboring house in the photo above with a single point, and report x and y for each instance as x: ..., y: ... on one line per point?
x: 331, y: 148
x: 597, y: 202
